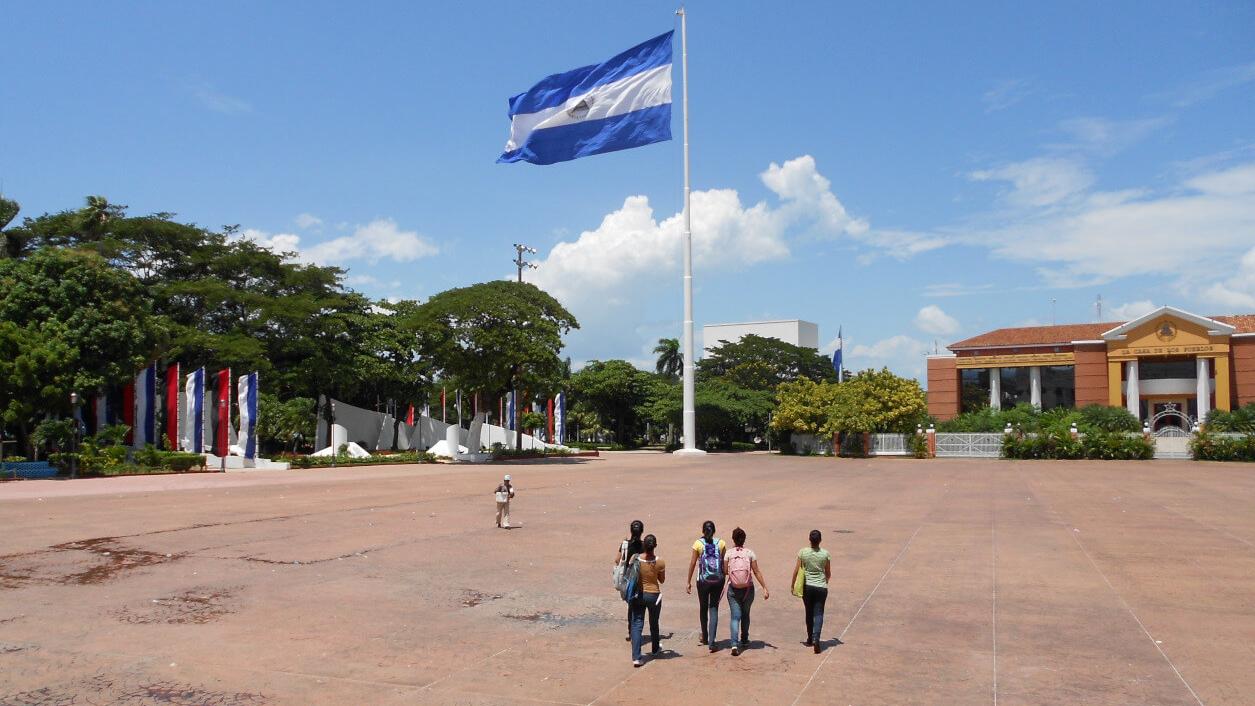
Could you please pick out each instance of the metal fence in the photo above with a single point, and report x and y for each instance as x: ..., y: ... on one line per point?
x: 954, y: 445
x: 889, y: 445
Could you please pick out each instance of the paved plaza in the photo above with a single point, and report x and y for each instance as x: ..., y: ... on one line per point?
x: 954, y: 582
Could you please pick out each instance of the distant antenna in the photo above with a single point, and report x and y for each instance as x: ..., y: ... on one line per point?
x: 1052, y: 311
x: 1098, y: 307
x: 936, y: 348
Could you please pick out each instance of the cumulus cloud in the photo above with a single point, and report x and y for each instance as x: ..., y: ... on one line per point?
x: 1236, y: 293
x: 931, y: 319
x: 1202, y: 224
x: 307, y: 220
x: 609, y: 262
x: 1043, y: 181
x: 1132, y: 310
x: 381, y: 239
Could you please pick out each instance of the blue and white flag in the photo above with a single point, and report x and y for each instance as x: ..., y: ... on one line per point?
x: 145, y: 408
x: 194, y: 421
x: 247, y: 393
x: 509, y: 410
x: 559, y: 419
x: 836, y: 355
x: 621, y: 103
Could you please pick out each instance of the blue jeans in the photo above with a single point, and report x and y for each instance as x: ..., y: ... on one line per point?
x: 739, y: 602
x: 653, y: 603
x: 708, y: 595
x: 814, y: 597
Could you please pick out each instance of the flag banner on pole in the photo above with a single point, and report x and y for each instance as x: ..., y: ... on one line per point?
x: 444, y: 407
x: 836, y: 355
x: 559, y: 419
x: 509, y: 410
x: 248, y: 414
x: 128, y: 410
x: 621, y: 103
x: 222, y: 439
x: 172, y: 407
x: 193, y: 421
x: 145, y: 431
x: 409, y: 416
x: 549, y: 420
x: 100, y: 409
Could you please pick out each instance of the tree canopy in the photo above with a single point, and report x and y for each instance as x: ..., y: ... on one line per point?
x: 761, y: 363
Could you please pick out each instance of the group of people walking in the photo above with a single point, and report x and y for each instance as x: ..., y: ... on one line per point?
x: 639, y: 574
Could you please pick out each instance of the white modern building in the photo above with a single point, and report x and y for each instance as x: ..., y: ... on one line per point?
x: 795, y: 331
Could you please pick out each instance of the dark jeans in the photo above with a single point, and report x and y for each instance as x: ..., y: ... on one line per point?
x: 708, y: 595
x: 653, y: 603
x: 739, y: 602
x: 814, y: 597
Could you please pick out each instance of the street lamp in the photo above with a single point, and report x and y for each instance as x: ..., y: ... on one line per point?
x: 519, y: 261
x: 75, y: 405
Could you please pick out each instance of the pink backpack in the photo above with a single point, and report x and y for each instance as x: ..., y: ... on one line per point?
x: 739, y: 574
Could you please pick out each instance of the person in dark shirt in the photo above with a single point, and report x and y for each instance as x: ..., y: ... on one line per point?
x: 629, y: 548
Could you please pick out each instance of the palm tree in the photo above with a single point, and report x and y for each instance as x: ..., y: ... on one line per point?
x: 670, y: 359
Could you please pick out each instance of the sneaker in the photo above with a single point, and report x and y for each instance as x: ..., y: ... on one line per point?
x: 817, y: 648
x: 735, y: 650
x: 656, y: 651
x: 702, y: 641
x: 713, y: 649
x: 636, y: 663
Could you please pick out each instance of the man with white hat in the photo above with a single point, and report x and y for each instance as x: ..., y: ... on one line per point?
x: 504, y: 492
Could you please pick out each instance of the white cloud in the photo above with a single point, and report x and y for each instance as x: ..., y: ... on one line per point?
x: 220, y: 102
x: 901, y: 354
x: 1132, y: 310
x: 279, y: 242
x: 1043, y: 181
x: 1005, y: 94
x: 609, y: 263
x: 931, y: 319
x: 1105, y: 136
x: 1203, y: 225
x: 1236, y: 293
x: 305, y: 221
x: 380, y: 239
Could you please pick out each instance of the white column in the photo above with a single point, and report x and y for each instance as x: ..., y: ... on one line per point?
x: 1034, y: 386
x: 1132, y: 391
x: 995, y: 388
x: 1203, y: 389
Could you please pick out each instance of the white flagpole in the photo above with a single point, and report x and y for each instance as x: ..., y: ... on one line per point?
x: 690, y: 412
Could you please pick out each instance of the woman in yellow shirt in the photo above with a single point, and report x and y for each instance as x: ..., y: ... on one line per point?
x: 708, y: 552
x: 653, y: 574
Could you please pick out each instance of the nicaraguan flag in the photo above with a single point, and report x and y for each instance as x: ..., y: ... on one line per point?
x: 621, y: 103
x: 836, y: 355
x: 194, y: 421
x: 145, y: 431
x: 247, y: 391
x: 559, y: 420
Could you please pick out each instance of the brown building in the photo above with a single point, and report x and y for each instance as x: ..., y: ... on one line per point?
x: 1166, y: 360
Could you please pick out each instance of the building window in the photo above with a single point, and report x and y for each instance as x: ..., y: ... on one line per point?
x: 1058, y: 386
x: 975, y: 389
x: 1015, y: 387
x: 1166, y: 369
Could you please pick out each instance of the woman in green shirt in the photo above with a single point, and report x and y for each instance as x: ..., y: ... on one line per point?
x: 817, y: 564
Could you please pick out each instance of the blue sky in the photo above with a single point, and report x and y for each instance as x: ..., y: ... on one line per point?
x: 910, y: 172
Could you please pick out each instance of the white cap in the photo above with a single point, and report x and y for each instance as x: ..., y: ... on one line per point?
x: 507, y: 476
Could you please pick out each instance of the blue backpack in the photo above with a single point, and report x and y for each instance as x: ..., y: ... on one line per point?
x: 631, y: 587
x: 710, y: 564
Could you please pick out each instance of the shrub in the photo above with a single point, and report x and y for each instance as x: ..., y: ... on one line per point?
x: 1096, y: 445
x: 1117, y: 446
x: 1241, y: 420
x: 1209, y: 446
x: 1098, y: 417
x: 917, y: 444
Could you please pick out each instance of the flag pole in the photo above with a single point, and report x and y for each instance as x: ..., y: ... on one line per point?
x: 690, y: 413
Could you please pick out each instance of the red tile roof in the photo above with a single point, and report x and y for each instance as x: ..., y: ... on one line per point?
x: 1067, y: 333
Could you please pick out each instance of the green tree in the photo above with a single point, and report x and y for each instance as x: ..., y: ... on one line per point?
x: 761, y: 363
x: 495, y: 337
x: 11, y: 244
x: 877, y: 401
x: 803, y: 405
x: 285, y: 424
x: 614, y: 390
x: 670, y: 359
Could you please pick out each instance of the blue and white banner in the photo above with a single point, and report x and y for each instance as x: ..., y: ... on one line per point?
x: 836, y: 355
x: 621, y: 103
x: 559, y: 419
x: 509, y: 410
x: 194, y: 420
x: 247, y: 391
x: 145, y: 408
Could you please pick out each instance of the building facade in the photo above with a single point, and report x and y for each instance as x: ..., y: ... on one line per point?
x: 1164, y: 362
x: 795, y: 331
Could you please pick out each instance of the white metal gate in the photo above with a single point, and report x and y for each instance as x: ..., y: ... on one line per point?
x: 969, y: 445
x: 889, y: 445
x: 1172, y: 438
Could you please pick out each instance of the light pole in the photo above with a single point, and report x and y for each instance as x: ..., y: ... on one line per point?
x: 518, y: 258
x: 74, y: 407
